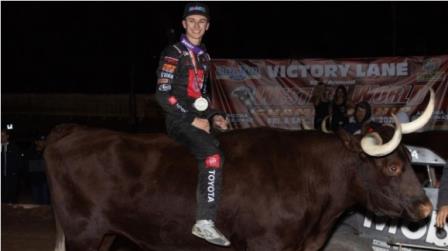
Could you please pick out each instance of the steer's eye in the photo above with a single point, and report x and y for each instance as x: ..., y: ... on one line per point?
x: 393, y: 169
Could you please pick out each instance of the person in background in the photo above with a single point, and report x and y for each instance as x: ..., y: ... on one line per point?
x: 182, y: 94
x: 36, y: 172
x: 403, y: 115
x: 12, y: 164
x: 362, y: 115
x: 339, y: 111
x: 321, y: 101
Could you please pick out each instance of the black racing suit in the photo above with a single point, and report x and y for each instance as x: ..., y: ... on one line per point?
x: 176, y: 92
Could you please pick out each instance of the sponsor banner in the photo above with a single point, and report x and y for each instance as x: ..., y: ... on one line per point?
x: 282, y: 93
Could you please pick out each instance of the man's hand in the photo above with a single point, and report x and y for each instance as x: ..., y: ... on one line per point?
x: 202, y: 124
x: 441, y: 216
x: 220, y: 123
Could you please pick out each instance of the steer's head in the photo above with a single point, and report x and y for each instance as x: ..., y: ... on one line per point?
x: 385, y: 182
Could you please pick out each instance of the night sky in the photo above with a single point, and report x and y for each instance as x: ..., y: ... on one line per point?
x: 107, y: 47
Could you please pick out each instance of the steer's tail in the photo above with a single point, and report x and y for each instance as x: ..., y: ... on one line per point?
x: 59, y: 245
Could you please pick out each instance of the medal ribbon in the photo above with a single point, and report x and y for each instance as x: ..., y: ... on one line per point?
x: 194, y: 50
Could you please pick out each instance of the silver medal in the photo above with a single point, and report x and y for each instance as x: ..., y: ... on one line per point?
x: 200, y: 104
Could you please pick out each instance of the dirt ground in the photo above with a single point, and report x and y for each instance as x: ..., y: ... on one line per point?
x: 27, y: 228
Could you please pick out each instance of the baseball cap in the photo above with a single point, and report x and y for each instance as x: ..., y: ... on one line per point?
x: 196, y: 8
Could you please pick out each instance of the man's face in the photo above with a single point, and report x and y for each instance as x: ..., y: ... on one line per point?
x: 195, y: 26
x: 360, y: 114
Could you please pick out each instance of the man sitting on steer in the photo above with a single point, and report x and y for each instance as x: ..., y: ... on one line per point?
x: 182, y: 93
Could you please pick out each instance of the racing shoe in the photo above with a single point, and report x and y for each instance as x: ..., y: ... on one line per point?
x: 206, y: 230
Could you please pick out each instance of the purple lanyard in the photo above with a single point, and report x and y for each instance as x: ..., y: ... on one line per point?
x: 196, y: 49
x: 193, y: 50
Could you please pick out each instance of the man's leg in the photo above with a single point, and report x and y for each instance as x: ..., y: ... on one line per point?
x: 209, y: 186
x: 210, y: 162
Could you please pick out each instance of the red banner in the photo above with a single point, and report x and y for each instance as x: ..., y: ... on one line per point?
x: 279, y: 93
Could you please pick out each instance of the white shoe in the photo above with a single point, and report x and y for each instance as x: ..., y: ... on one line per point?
x: 206, y: 230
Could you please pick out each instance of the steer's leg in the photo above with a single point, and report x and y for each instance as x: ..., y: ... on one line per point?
x: 107, y: 242
x: 316, y: 242
x: 60, y: 237
x: 321, y: 229
x: 79, y: 244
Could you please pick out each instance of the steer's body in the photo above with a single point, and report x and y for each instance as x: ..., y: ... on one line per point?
x: 282, y: 190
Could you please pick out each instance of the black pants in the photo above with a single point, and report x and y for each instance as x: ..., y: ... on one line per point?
x: 204, y: 147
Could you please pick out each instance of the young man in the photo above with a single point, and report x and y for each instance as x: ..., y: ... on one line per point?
x: 182, y: 93
x: 322, y: 104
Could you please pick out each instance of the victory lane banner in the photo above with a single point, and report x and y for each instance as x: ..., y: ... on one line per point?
x: 280, y: 93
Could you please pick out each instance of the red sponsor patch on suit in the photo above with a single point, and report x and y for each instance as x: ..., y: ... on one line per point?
x: 194, y: 88
x: 213, y: 161
x: 172, y: 100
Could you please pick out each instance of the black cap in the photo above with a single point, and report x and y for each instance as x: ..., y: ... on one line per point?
x: 196, y: 8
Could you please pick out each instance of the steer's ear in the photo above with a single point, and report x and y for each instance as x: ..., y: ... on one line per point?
x: 351, y: 142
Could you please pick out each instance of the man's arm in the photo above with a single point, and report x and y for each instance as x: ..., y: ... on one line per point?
x: 218, y: 119
x: 168, y: 65
x: 442, y: 201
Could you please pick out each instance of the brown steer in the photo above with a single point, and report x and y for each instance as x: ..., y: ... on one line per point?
x: 282, y: 190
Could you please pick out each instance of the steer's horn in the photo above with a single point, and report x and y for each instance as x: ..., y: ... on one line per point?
x: 373, y: 147
x: 421, y: 121
x: 305, y: 126
x: 323, y: 125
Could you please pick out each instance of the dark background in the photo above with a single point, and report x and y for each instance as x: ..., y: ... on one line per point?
x: 101, y: 47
